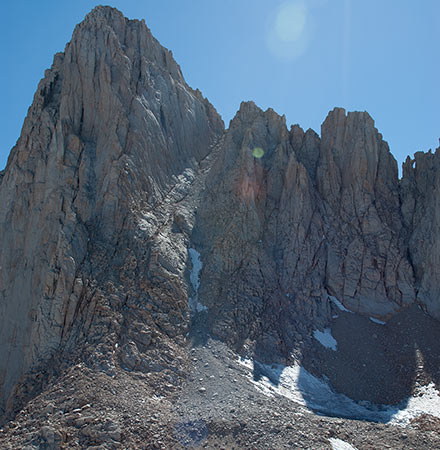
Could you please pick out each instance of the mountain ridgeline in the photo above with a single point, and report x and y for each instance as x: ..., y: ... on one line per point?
x: 121, y: 168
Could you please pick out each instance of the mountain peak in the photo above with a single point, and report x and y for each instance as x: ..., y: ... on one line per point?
x: 108, y: 14
x: 135, y: 231
x: 103, y: 15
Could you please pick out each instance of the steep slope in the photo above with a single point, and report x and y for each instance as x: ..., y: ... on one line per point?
x: 302, y: 219
x: 144, y: 248
x: 357, y: 178
x: 259, y: 224
x: 421, y: 215
x: 112, y: 127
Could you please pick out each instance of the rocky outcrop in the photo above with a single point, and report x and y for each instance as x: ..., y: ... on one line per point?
x: 123, y: 175
x: 357, y: 179
x: 260, y: 232
x: 421, y: 216
x: 112, y: 130
x: 285, y: 226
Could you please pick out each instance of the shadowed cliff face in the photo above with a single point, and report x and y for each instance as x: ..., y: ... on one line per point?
x: 121, y: 168
x: 421, y: 215
x: 307, y: 218
x: 261, y: 232
x: 357, y: 179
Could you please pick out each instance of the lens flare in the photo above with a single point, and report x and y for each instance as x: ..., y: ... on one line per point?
x: 258, y: 152
x: 289, y: 30
x: 290, y: 21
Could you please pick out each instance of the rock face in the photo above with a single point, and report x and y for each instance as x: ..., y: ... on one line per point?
x: 121, y: 168
x: 357, y: 179
x: 311, y: 218
x: 112, y: 130
x: 421, y: 217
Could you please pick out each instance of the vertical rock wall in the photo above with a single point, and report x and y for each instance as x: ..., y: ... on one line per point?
x: 112, y: 127
x: 421, y: 215
x: 310, y: 218
x: 121, y: 168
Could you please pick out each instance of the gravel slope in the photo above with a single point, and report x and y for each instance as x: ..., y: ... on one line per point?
x: 215, y: 402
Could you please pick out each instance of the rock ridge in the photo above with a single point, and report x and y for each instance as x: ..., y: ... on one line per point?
x: 113, y: 130
x: 311, y: 217
x: 121, y: 169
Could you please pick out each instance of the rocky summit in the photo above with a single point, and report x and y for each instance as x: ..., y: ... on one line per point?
x: 169, y: 283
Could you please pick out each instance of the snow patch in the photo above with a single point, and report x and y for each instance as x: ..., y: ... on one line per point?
x: 196, y: 268
x: 300, y: 386
x: 326, y: 339
x: 197, y: 265
x: 425, y: 401
x: 197, y: 306
x: 339, y: 304
x: 339, y: 444
x: 379, y: 322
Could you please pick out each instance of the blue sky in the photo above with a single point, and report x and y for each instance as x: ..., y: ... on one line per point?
x: 301, y: 58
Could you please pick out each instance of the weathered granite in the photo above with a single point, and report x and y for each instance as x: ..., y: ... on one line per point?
x: 121, y: 168
x: 420, y: 199
x: 357, y: 179
x: 310, y: 218
x: 112, y: 127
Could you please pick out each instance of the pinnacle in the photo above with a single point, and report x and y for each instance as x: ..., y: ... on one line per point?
x: 249, y: 111
x: 103, y: 10
x: 103, y: 14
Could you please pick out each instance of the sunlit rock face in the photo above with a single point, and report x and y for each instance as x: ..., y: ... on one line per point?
x: 125, y: 197
x: 112, y: 128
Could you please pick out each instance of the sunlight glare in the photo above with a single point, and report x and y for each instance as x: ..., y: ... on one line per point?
x: 288, y: 30
x: 290, y: 21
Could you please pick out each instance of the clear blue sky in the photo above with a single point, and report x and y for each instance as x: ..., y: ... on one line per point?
x: 300, y: 58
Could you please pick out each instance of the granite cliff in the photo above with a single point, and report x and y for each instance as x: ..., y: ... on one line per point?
x: 132, y: 224
x: 113, y: 134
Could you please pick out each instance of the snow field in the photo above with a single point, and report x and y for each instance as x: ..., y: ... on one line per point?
x: 300, y: 386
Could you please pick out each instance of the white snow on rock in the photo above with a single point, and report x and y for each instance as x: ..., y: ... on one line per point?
x: 379, y: 322
x: 196, y: 268
x: 425, y: 401
x: 300, y: 386
x: 197, y: 265
x: 339, y: 444
x: 326, y: 339
x: 339, y: 304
